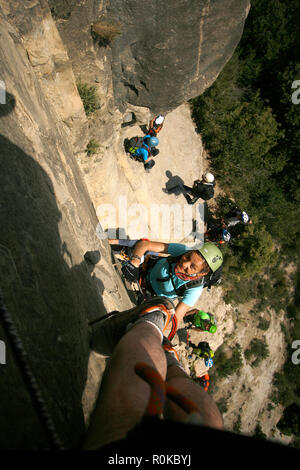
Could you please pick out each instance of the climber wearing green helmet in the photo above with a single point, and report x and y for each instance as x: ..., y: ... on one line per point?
x: 182, y: 274
x: 201, y: 321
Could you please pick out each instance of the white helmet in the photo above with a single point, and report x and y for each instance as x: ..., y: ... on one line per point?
x: 209, y: 177
x: 245, y: 217
x: 159, y: 120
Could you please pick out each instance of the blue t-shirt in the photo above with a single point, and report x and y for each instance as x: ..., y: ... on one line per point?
x: 161, y: 270
x: 143, y: 152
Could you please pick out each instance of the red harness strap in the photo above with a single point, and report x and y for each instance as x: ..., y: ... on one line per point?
x: 174, y: 328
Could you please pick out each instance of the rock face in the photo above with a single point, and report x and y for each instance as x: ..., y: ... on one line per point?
x: 47, y: 225
x: 48, y: 222
x: 169, y: 52
x: 165, y: 53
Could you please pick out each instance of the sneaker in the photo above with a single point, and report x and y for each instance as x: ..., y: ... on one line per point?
x: 112, y: 328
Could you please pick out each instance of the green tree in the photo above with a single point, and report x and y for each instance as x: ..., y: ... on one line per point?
x: 228, y: 365
x: 258, y: 432
x: 259, y: 349
x: 289, y: 424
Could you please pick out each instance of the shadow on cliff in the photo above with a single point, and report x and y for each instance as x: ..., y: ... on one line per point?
x: 173, y: 180
x: 49, y: 301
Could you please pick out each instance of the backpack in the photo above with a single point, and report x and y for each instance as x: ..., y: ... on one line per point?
x: 136, y: 143
x: 207, y: 281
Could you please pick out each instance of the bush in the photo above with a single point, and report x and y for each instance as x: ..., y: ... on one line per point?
x: 289, y: 424
x: 105, y: 32
x: 237, y: 425
x: 251, y: 132
x: 259, y: 349
x: 226, y: 366
x: 285, y: 390
x: 222, y: 405
x: 92, y: 147
x: 88, y: 95
x: 263, y: 324
x: 258, y: 432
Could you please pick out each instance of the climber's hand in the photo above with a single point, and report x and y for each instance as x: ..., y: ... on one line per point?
x: 130, y: 272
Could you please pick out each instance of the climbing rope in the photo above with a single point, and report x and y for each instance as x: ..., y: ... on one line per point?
x: 157, y: 398
x: 160, y: 390
x: 28, y: 377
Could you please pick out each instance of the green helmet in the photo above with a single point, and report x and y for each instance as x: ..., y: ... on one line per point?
x: 203, y: 315
x: 212, y: 329
x: 212, y: 255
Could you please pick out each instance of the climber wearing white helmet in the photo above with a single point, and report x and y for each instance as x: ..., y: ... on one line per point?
x: 203, y: 189
x: 209, y: 177
x: 155, y: 126
x: 236, y: 216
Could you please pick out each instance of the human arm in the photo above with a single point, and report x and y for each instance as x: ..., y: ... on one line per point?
x: 186, y: 305
x: 195, y: 328
x: 131, y: 268
x: 182, y: 310
x: 147, y: 245
x: 191, y: 200
x: 151, y: 123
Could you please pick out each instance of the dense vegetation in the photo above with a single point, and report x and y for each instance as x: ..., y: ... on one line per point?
x: 258, y: 349
x: 251, y: 129
x: 227, y: 365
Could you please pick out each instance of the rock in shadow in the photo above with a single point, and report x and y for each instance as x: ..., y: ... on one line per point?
x: 144, y: 128
x: 129, y: 120
x: 126, y: 145
x: 182, y: 335
x: 92, y: 258
x: 8, y: 104
x: 50, y: 301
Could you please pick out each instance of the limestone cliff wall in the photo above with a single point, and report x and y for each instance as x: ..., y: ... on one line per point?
x: 169, y: 52
x: 48, y: 221
x: 166, y: 52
